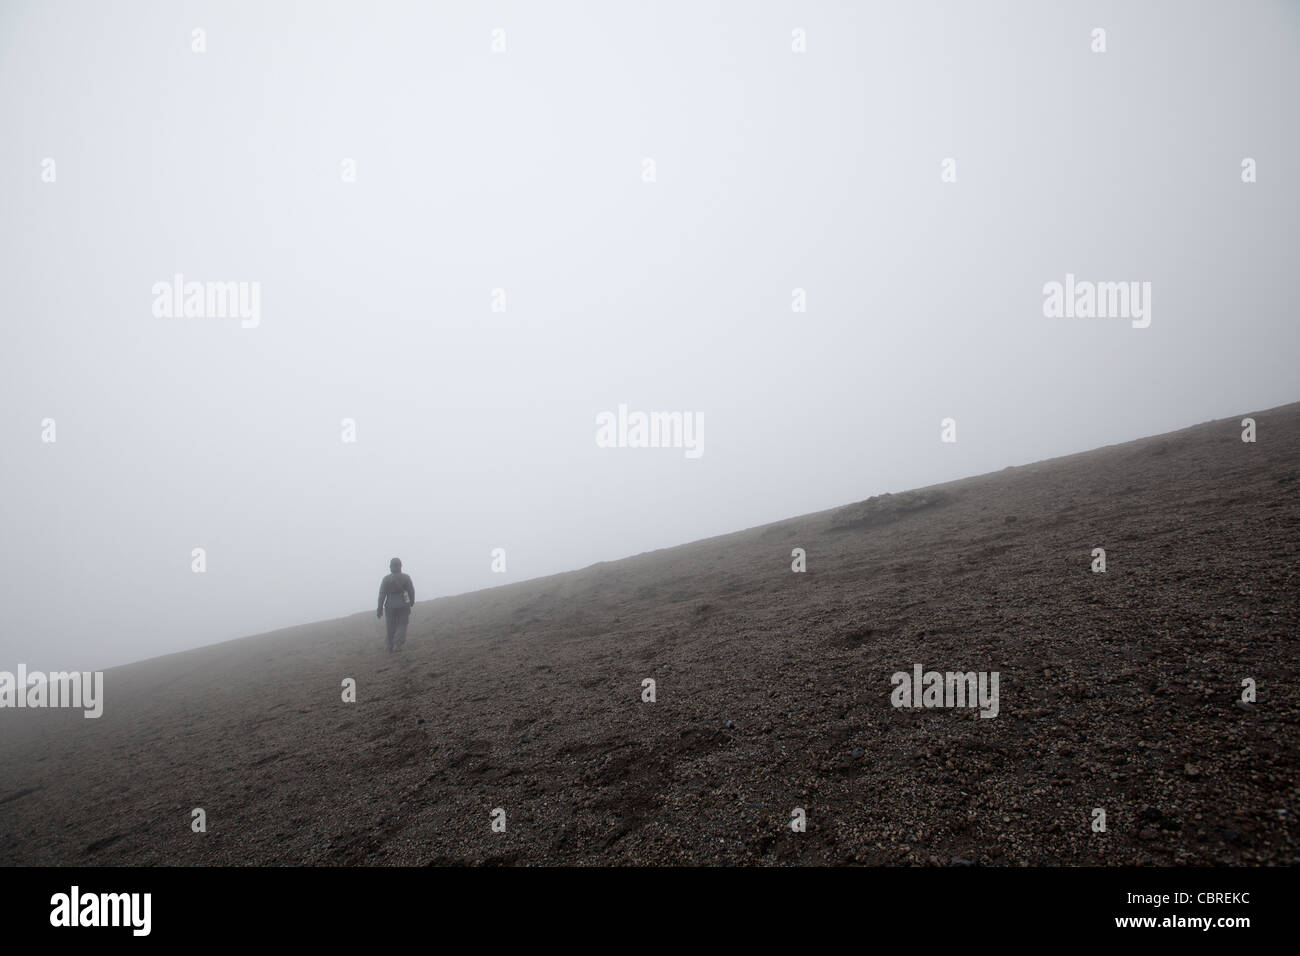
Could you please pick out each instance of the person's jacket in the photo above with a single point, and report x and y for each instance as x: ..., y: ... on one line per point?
x: 393, y: 587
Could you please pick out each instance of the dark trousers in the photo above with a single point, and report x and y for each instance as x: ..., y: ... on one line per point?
x: 396, y: 618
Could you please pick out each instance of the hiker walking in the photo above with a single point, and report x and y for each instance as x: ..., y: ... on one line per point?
x: 396, y: 597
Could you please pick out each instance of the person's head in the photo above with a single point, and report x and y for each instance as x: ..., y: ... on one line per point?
x: 395, y: 565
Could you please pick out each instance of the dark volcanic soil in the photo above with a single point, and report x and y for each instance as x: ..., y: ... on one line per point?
x: 1117, y: 690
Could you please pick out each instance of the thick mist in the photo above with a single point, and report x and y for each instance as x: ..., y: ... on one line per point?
x: 456, y: 249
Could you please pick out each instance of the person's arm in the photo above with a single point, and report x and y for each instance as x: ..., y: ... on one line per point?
x: 380, y: 608
x: 410, y: 589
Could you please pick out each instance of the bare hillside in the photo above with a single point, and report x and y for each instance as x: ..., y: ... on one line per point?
x: 1118, y: 690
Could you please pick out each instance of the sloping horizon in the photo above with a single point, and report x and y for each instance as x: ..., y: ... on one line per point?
x: 1258, y: 415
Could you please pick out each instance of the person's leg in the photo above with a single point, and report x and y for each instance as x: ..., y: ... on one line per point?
x: 390, y: 619
x: 403, y: 618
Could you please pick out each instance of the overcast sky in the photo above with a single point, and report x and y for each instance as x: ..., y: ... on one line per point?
x: 524, y: 170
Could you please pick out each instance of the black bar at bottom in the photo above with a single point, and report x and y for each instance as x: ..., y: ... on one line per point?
x: 333, y: 906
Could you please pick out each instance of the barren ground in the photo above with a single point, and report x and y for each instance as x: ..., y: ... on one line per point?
x: 1117, y: 690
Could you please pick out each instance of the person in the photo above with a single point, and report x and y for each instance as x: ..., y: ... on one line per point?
x: 396, y: 598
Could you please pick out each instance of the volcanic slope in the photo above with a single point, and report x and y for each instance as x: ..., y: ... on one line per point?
x: 1118, y: 690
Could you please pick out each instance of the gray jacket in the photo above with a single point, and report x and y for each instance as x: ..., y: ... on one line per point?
x: 396, y: 590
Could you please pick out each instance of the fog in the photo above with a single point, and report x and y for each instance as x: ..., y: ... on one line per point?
x: 499, y: 272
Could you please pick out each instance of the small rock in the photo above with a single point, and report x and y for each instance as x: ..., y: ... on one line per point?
x: 1191, y: 770
x: 960, y: 861
x: 1242, y: 705
x: 859, y: 753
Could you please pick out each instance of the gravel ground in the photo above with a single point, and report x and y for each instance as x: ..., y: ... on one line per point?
x: 1117, y: 691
